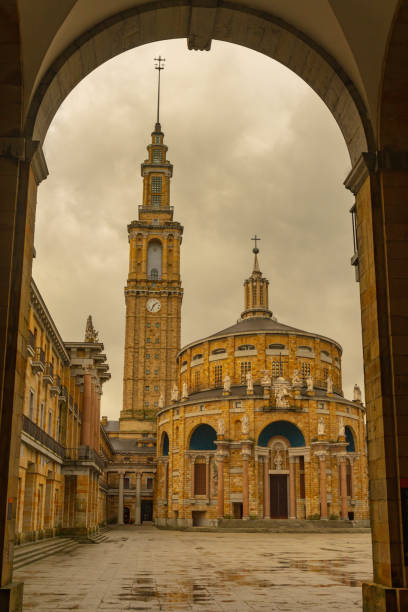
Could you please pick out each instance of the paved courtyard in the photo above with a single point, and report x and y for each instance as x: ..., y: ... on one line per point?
x: 148, y: 569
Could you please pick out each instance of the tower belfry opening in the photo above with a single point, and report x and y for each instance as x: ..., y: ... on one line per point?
x: 256, y: 290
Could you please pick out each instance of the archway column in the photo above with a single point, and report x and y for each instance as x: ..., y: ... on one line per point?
x: 120, y: 498
x: 380, y: 183
x: 292, y: 487
x: 267, y: 488
x: 246, y: 453
x: 138, y: 505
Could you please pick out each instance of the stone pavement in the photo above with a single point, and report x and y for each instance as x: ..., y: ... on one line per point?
x: 149, y: 569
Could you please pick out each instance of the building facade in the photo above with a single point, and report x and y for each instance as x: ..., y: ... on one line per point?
x: 60, y: 485
x: 258, y: 426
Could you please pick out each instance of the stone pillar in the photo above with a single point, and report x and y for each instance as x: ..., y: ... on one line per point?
x: 220, y: 492
x: 323, y: 489
x: 81, y: 499
x: 87, y: 410
x: 93, y: 411
x: 207, y: 478
x: 138, y: 506
x: 267, y: 489
x: 192, y: 475
x: 98, y: 419
x: 120, y: 498
x: 292, y: 487
x: 245, y: 487
x: 343, y: 487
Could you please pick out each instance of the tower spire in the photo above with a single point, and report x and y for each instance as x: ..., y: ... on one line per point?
x: 256, y: 290
x: 159, y: 66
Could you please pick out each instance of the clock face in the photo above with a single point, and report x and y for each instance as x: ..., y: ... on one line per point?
x: 153, y: 305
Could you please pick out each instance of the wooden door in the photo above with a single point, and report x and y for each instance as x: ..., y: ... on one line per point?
x: 279, y: 496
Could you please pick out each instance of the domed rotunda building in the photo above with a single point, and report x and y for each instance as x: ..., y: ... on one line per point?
x: 258, y: 426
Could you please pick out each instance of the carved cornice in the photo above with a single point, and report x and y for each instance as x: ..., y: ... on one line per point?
x: 385, y: 159
x: 43, y: 314
x: 25, y: 150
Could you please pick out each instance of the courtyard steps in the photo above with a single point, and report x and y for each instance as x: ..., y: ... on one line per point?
x: 34, y: 551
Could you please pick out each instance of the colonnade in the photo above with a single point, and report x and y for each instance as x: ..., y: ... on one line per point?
x: 138, y: 501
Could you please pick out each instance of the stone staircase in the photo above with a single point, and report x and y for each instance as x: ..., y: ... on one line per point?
x: 34, y: 551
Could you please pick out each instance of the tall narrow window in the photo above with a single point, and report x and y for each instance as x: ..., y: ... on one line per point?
x: 156, y: 199
x: 218, y: 375
x: 157, y: 156
x: 196, y: 381
x: 42, y: 409
x: 305, y: 369
x: 49, y: 422
x: 31, y: 409
x: 154, y: 259
x: 245, y: 368
x: 277, y: 369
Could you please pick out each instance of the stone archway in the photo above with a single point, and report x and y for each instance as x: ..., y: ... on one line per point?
x: 379, y: 180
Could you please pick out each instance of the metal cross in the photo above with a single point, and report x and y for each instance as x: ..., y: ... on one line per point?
x: 255, y: 239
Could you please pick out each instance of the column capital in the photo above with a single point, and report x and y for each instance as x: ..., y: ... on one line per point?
x: 25, y: 150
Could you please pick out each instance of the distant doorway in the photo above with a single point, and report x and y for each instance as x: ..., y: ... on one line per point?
x: 126, y: 515
x: 237, y: 510
x: 147, y: 510
x: 279, y: 496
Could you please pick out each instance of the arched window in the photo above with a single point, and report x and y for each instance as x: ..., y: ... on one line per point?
x: 246, y: 347
x: 276, y: 346
x: 165, y: 444
x: 306, y: 349
x: 218, y: 351
x: 198, y: 356
x: 154, y: 260
x: 350, y: 439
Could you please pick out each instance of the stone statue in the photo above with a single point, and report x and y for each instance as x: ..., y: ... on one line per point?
x: 321, y: 427
x: 91, y: 335
x: 266, y: 380
x: 329, y: 383
x: 309, y: 382
x: 245, y: 425
x: 221, y: 427
x: 227, y: 383
x: 278, y: 460
x: 281, y: 393
x: 296, y: 380
x: 249, y: 382
x: 161, y: 400
x: 356, y: 393
x: 342, y: 431
x: 174, y: 393
x: 184, y: 393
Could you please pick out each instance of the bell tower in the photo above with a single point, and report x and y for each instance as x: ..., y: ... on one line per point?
x: 153, y: 292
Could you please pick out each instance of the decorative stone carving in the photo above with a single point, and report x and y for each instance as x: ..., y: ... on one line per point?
x: 356, y: 394
x: 249, y: 382
x: 184, y: 393
x: 266, y: 380
x: 174, y: 393
x: 278, y: 460
x: 91, y: 335
x: 329, y: 384
x: 321, y: 427
x: 161, y: 400
x: 221, y: 427
x: 281, y: 393
x: 227, y: 383
x: 245, y: 425
x: 296, y: 380
x: 309, y: 383
x: 342, y: 430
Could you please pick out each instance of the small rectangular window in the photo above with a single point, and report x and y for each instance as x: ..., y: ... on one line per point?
x: 156, y: 356
x: 157, y: 340
x: 218, y: 375
x: 148, y: 324
x: 31, y: 408
x: 148, y: 340
x: 157, y: 156
x: 147, y: 372
x: 305, y: 369
x: 156, y: 199
x: 156, y: 388
x: 146, y: 403
x: 147, y: 356
x: 157, y: 325
x: 156, y: 372
x: 147, y: 388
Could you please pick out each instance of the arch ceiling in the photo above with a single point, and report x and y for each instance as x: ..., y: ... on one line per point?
x: 329, y: 46
x: 282, y: 428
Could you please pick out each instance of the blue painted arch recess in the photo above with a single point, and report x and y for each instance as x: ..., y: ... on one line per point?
x: 165, y: 445
x: 203, y: 438
x: 282, y: 428
x: 351, y: 448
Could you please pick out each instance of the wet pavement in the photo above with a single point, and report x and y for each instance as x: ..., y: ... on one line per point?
x: 149, y: 569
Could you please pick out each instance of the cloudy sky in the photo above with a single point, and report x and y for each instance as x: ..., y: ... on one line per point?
x: 254, y: 150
